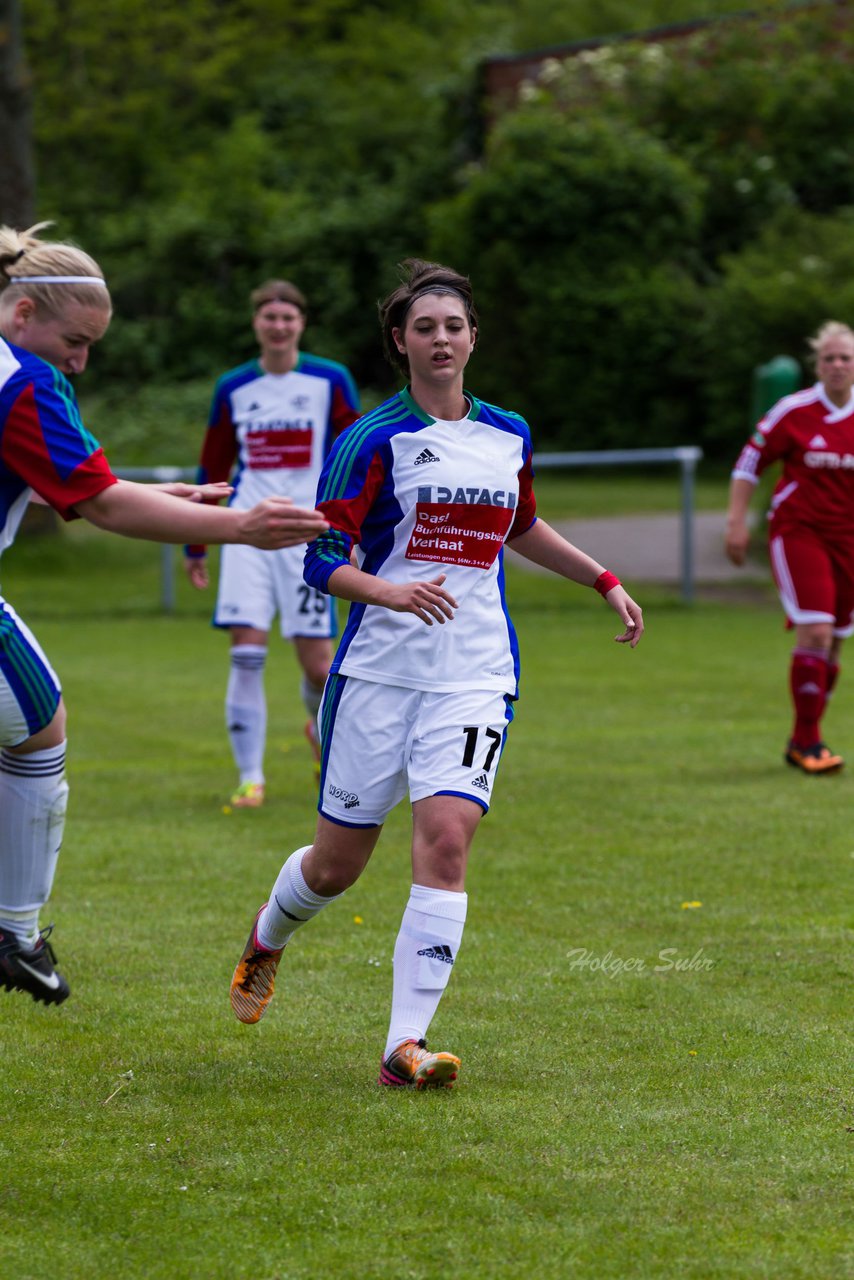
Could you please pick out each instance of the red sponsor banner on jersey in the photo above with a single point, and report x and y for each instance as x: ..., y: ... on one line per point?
x: 459, y: 533
x: 269, y: 450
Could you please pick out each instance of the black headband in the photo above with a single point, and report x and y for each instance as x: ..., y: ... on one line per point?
x: 436, y: 288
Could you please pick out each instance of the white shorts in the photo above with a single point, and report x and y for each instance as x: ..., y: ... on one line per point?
x: 29, y: 687
x: 380, y: 740
x: 255, y: 585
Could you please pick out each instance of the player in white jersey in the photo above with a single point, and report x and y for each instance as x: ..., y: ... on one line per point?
x: 275, y: 418
x: 54, y: 304
x: 427, y: 489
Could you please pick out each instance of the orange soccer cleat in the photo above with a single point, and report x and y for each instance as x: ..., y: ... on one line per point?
x: 815, y: 759
x: 412, y: 1063
x: 254, y: 979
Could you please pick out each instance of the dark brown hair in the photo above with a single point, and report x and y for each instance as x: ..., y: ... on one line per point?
x: 420, y: 277
x: 278, y: 291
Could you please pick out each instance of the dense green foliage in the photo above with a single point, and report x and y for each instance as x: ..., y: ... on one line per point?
x: 617, y: 222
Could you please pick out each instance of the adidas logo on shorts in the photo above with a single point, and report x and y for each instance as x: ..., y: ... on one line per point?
x: 481, y: 781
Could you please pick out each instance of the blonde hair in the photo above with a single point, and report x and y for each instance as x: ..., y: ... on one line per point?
x: 23, y: 254
x: 828, y: 332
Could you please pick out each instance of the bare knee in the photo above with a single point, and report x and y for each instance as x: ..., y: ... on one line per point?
x: 815, y: 636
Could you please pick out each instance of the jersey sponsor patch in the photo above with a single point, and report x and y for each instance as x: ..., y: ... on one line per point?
x: 458, y: 533
x: 288, y: 447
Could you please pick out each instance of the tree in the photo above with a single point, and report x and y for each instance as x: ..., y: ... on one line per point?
x: 17, y: 191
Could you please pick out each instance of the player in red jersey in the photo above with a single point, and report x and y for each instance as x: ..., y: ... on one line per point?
x: 273, y: 421
x: 54, y: 305
x: 811, y: 530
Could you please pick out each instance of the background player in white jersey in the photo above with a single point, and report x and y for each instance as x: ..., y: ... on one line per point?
x: 811, y: 530
x: 426, y: 488
x: 276, y: 417
x: 54, y: 305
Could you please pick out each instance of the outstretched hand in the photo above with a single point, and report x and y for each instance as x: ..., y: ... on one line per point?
x: 197, y: 492
x: 275, y: 522
x: 631, y: 614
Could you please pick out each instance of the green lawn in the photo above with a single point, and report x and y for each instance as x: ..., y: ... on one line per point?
x: 649, y: 1088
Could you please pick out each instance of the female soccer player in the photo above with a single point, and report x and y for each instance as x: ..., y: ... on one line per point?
x: 54, y: 305
x: 427, y: 488
x: 811, y: 530
x: 277, y: 416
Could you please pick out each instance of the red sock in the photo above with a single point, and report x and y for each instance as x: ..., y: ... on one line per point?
x: 808, y: 683
x: 832, y: 677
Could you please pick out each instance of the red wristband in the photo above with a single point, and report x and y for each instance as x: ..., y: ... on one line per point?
x: 606, y: 582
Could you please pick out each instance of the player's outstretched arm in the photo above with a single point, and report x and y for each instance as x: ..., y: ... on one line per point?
x: 143, y: 511
x: 544, y: 546
x: 427, y: 600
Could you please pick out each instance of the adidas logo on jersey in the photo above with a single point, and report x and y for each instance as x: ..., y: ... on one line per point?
x: 817, y: 442
x: 481, y: 781
x: 426, y: 455
x: 439, y: 951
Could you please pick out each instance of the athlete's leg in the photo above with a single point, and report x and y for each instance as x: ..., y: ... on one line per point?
x: 33, y: 799
x: 315, y: 658
x: 310, y: 879
x: 432, y: 926
x: 246, y: 704
x: 808, y: 680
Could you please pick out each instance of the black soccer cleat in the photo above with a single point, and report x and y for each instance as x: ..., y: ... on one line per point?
x: 32, y: 970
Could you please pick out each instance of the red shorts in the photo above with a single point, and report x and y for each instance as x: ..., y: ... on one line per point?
x: 815, y: 578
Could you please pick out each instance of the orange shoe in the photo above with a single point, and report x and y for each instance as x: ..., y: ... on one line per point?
x: 412, y: 1063
x: 254, y: 979
x: 815, y: 759
x: 249, y: 795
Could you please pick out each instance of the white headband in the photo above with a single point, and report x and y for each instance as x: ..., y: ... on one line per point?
x: 57, y: 280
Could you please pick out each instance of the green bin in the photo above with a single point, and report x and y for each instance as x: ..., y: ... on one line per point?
x: 778, y: 377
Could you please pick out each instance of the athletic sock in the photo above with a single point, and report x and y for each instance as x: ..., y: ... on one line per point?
x: 246, y: 710
x: 832, y: 678
x: 808, y: 683
x: 424, y: 955
x: 291, y: 904
x: 33, y: 799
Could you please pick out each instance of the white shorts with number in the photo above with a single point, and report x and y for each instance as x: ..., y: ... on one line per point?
x: 256, y: 585
x: 29, y: 687
x: 378, y: 741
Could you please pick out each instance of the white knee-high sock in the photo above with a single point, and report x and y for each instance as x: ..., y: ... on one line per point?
x: 33, y: 798
x: 291, y: 904
x: 424, y: 955
x: 246, y: 710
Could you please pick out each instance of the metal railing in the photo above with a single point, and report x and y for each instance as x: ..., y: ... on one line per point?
x: 686, y: 457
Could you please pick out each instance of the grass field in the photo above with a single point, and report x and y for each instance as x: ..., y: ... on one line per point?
x: 652, y: 1002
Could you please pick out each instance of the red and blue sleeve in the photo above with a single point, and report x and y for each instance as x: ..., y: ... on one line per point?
x: 45, y: 443
x: 345, y: 497
x: 526, y: 510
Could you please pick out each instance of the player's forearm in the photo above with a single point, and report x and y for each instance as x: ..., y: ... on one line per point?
x: 740, y: 494
x: 349, y: 583
x: 544, y: 546
x: 143, y: 511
